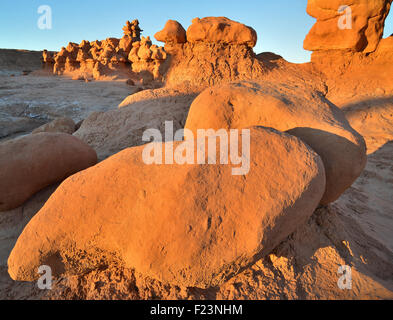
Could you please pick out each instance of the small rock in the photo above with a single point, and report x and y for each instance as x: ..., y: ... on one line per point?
x: 65, y: 125
x: 130, y: 82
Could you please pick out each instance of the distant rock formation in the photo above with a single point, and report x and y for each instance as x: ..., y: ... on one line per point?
x: 221, y: 30
x: 173, y: 32
x: 111, y: 57
x: 355, y: 25
x: 147, y: 59
x: 348, y: 47
x: 213, y: 50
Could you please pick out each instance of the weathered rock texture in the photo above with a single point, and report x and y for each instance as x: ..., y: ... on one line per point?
x: 147, y: 59
x: 16, y: 61
x: 110, y: 58
x: 213, y: 50
x: 303, y: 113
x: 123, y: 209
x: 33, y: 162
x: 357, y: 27
x: 115, y: 130
x: 221, y: 30
x: 173, y: 32
x: 217, y: 50
x: 357, y: 77
x: 65, y: 125
x: 373, y: 118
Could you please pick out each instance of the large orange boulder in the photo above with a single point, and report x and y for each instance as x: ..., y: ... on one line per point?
x: 355, y: 25
x: 189, y: 225
x: 33, y: 162
x: 301, y: 112
x: 221, y: 30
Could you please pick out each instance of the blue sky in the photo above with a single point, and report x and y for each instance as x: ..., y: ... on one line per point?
x: 281, y: 24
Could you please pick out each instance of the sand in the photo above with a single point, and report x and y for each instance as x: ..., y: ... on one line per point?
x: 28, y: 101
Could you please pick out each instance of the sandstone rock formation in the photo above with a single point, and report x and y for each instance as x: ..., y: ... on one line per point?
x: 173, y: 32
x: 33, y: 162
x: 221, y: 30
x: 346, y: 25
x: 132, y: 29
x: 300, y: 112
x: 214, y: 50
x: 64, y: 125
x: 374, y: 120
x: 110, y: 58
x: 47, y: 59
x: 147, y: 59
x: 123, y: 209
x: 347, y: 47
x: 386, y: 45
x: 115, y: 130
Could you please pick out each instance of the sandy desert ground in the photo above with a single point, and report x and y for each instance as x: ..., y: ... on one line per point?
x: 355, y: 230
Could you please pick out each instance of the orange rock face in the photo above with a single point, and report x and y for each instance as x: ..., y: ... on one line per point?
x: 346, y: 25
x: 221, y: 30
x: 217, y: 50
x: 33, y: 162
x: 111, y: 57
x: 302, y: 113
x: 386, y: 45
x: 173, y: 32
x: 212, y: 49
x: 124, y: 209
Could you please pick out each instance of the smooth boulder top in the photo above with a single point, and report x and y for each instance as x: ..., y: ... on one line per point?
x: 173, y: 32
x: 187, y: 225
x: 221, y: 30
x: 33, y: 162
x: 302, y: 112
